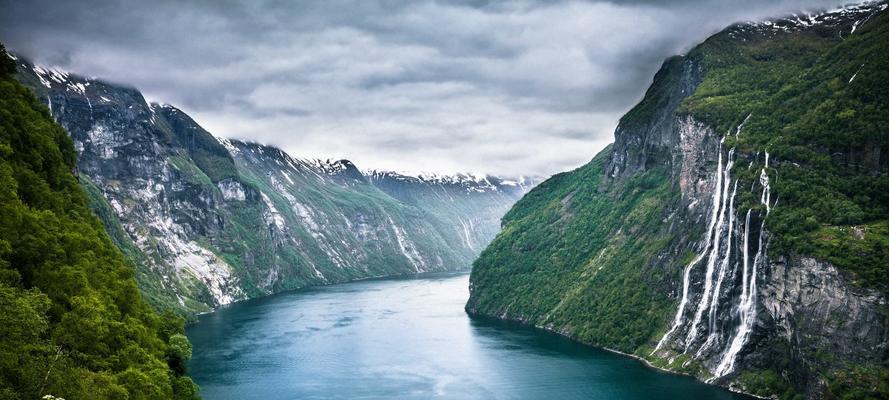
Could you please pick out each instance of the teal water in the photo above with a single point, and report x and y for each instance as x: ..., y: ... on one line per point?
x: 405, y: 339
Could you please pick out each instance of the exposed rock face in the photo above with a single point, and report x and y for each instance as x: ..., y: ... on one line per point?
x: 741, y: 310
x: 211, y: 221
x: 818, y: 312
x: 647, y: 137
x: 660, y: 247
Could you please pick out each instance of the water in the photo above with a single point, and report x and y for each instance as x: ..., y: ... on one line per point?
x: 405, y: 338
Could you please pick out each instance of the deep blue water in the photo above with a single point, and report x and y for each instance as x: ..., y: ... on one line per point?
x: 405, y: 339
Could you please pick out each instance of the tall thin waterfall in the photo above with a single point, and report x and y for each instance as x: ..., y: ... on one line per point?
x: 713, y: 336
x: 747, y: 301
x: 722, y: 264
x: 704, y: 304
x: 686, y: 276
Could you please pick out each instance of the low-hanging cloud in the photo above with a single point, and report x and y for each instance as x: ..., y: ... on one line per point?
x: 512, y: 88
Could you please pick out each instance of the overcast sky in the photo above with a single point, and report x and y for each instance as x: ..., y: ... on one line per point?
x: 518, y: 88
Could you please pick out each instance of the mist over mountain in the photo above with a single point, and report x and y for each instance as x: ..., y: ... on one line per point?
x: 238, y: 167
x: 210, y: 221
x: 736, y: 230
x: 505, y: 88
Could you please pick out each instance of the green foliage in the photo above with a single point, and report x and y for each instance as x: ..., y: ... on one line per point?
x: 860, y: 382
x: 71, y: 317
x: 575, y: 253
x: 825, y: 132
x: 190, y: 172
x: 766, y: 383
x: 178, y: 353
x: 552, y: 266
x: 657, y: 96
x: 210, y: 157
x: 7, y: 65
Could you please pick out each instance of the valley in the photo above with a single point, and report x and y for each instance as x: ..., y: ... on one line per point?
x: 730, y: 242
x: 210, y: 221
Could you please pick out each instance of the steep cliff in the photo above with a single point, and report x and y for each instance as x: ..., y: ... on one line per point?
x: 72, y: 322
x: 737, y: 228
x: 210, y: 221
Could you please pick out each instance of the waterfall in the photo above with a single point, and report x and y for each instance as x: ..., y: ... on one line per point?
x: 686, y: 276
x: 712, y: 337
x: 713, y: 256
x: 89, y: 103
x: 746, y: 256
x: 764, y: 181
x: 747, y: 301
x: 738, y: 130
x: 718, y: 267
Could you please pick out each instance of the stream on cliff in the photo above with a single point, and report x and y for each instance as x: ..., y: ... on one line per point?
x: 406, y: 338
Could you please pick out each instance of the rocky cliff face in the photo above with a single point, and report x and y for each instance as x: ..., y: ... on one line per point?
x: 698, y: 240
x: 210, y: 221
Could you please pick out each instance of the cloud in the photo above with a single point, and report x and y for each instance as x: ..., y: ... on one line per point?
x: 509, y: 88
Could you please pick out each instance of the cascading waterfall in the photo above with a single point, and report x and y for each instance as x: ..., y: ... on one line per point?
x: 89, y: 103
x: 704, y: 304
x: 747, y: 301
x: 686, y: 276
x: 764, y: 181
x: 720, y: 266
x: 741, y: 126
x: 713, y: 336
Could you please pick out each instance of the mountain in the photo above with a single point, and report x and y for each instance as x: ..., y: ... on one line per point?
x: 476, y: 203
x: 738, y: 228
x: 72, y: 321
x: 210, y: 221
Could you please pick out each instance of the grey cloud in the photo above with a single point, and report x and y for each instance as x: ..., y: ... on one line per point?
x: 517, y: 87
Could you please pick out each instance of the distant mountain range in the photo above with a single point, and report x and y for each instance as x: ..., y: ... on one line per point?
x: 209, y: 221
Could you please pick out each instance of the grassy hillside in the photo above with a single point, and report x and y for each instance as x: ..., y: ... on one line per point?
x: 72, y: 321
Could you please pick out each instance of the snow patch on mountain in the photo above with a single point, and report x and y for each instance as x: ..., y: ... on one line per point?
x: 232, y: 190
x: 851, y: 16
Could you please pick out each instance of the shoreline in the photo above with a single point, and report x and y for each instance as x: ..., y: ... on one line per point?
x: 640, y: 359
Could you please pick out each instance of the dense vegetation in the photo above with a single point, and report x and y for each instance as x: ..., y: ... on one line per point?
x: 72, y: 321
x: 552, y: 267
x: 826, y: 133
x: 596, y: 258
x: 207, y: 222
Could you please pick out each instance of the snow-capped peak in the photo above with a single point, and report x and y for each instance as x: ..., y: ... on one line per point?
x: 849, y: 16
x: 50, y: 75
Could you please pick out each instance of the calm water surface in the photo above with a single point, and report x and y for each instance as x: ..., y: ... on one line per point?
x: 405, y: 339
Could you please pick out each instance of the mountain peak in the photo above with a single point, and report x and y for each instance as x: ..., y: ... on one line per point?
x: 845, y: 20
x: 470, y: 182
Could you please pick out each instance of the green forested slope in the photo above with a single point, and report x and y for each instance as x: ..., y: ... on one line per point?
x: 72, y: 322
x: 598, y: 254
x: 561, y: 258
x: 819, y: 103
